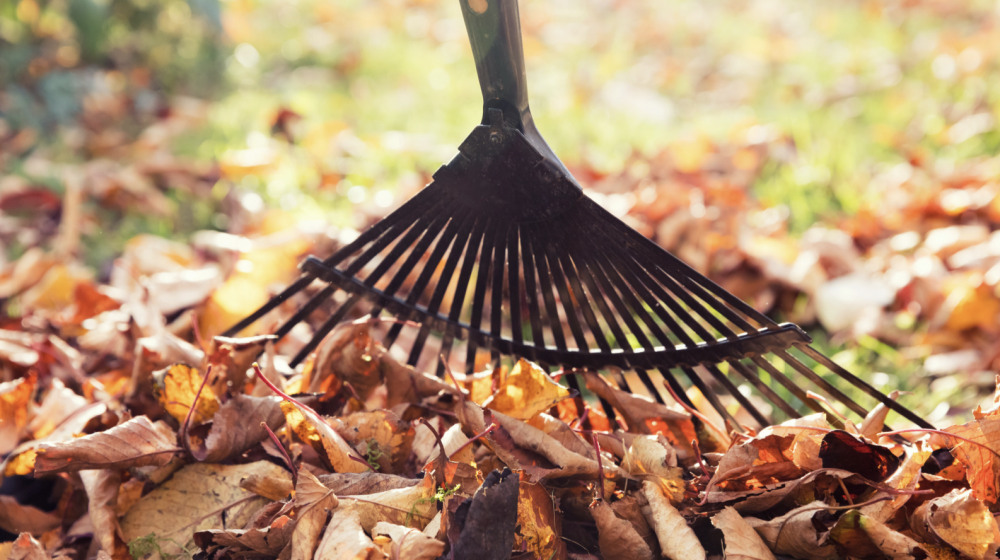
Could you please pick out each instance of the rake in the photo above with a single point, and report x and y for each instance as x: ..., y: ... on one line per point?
x: 503, y: 253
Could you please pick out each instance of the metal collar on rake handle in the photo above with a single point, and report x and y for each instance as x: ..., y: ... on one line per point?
x: 503, y: 253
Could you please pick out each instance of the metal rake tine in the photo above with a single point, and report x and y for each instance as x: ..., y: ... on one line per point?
x: 531, y: 291
x: 429, y: 267
x: 653, y: 250
x: 398, y: 216
x: 712, y: 398
x: 444, y: 281
x: 822, y: 383
x: 560, y: 284
x: 324, y: 330
x: 740, y: 397
x: 861, y: 384
x: 464, y: 276
x: 496, y: 290
x: 787, y: 383
x: 479, y: 296
x: 547, y: 289
x: 766, y: 390
x: 514, y: 285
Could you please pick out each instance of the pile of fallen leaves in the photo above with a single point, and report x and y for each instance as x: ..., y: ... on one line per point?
x: 129, y: 429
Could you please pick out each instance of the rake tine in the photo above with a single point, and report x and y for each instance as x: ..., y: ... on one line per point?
x: 610, y: 279
x: 859, y: 383
x: 575, y: 274
x: 479, y: 297
x: 514, y: 285
x: 324, y: 330
x: 787, y: 383
x: 564, y: 297
x: 547, y: 289
x: 458, y: 299
x: 440, y: 247
x: 679, y: 291
x: 654, y: 252
x: 675, y: 386
x: 399, y: 249
x: 740, y: 397
x: 713, y: 399
x: 633, y: 284
x: 767, y: 391
x: 591, y: 271
x: 458, y: 246
x: 651, y: 387
x: 304, y: 311
x: 416, y: 204
x: 822, y: 383
x: 531, y: 292
x: 496, y: 292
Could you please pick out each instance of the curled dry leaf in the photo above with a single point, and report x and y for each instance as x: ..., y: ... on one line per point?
x: 270, y: 487
x: 859, y: 536
x: 875, y: 420
x: 269, y: 541
x: 14, y: 398
x: 653, y: 459
x: 841, y: 450
x: 359, y: 484
x: 59, y: 403
x: 236, y: 427
x: 537, y: 527
x: 345, y: 538
x: 333, y: 451
x: 636, y: 409
x: 793, y: 534
x: 20, y: 518
x: 230, y: 359
x: 405, y: 542
x: 27, y: 548
x: 156, y: 352
x: 380, y: 436
x: 741, y: 542
x: 199, y: 497
x: 490, y: 516
x: 808, y: 432
x: 981, y: 461
x: 176, y: 387
x: 755, y: 463
x: 102, y: 488
x: 617, y: 537
x: 677, y: 539
x: 136, y: 443
x: 413, y: 506
x: 960, y: 520
x: 313, y: 501
x: 906, y: 477
x: 349, y: 355
x: 527, y: 391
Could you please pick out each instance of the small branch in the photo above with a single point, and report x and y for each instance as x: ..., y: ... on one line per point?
x: 600, y: 465
x: 700, y: 416
x: 284, y: 454
x: 489, y: 429
x: 187, y: 419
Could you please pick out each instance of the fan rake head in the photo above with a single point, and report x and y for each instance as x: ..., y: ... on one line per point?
x: 503, y: 254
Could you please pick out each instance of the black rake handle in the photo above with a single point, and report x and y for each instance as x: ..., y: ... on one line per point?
x: 495, y: 33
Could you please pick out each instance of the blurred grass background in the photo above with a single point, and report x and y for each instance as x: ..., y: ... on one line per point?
x: 376, y: 94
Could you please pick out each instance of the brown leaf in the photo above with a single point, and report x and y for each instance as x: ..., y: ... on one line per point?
x: 537, y: 525
x: 805, y: 449
x: 677, y: 539
x: 756, y: 463
x: 618, y: 539
x: 359, y: 484
x: 236, y: 427
x: 741, y: 541
x: 333, y: 451
x: 135, y: 443
x: 199, y: 497
x: 378, y: 434
x: 102, y: 488
x: 270, y: 487
x: 407, y: 543
x: 841, y: 450
x: 490, y: 518
x: 153, y: 353
x: 230, y: 359
x: 406, y: 385
x: 961, y: 521
x: 652, y: 458
x: 859, y: 536
x: 269, y: 540
x: 27, y: 548
x: 413, y: 506
x: 981, y: 461
x: 351, y: 355
x: 20, y: 518
x: 527, y: 391
x: 793, y: 534
x: 14, y: 398
x: 345, y: 538
x: 635, y: 408
x: 630, y: 509
x: 59, y: 404
x: 874, y: 421
x: 313, y: 501
x: 906, y: 477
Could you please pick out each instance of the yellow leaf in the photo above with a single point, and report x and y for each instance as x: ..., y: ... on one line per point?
x: 527, y: 391
x: 176, y: 388
x: 329, y: 445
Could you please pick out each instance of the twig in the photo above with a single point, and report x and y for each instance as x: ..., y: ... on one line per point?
x: 700, y: 416
x: 196, y: 330
x: 824, y: 400
x: 701, y: 462
x: 482, y: 434
x: 600, y: 465
x: 187, y: 419
x: 437, y: 436
x: 284, y: 454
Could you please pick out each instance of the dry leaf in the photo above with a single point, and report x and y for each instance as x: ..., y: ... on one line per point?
x: 527, y: 391
x: 176, y: 386
x: 486, y: 522
x: 618, y: 538
x: 236, y: 427
x: 537, y: 528
x: 875, y: 420
x: 270, y: 487
x: 794, y: 534
x: 809, y: 432
x: 345, y: 538
x: 20, y: 518
x: 351, y: 355
x: 268, y: 541
x: 14, y: 398
x: 27, y: 548
x: 135, y: 443
x: 857, y: 535
x: 906, y: 477
x: 407, y: 543
x: 102, y: 493
x: 313, y: 502
x: 379, y: 435
x: 960, y: 520
x: 199, y: 497
x: 677, y: 540
x: 756, y: 463
x: 635, y: 408
x: 652, y: 458
x: 59, y: 404
x: 741, y: 541
x: 359, y: 484
x: 311, y: 428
